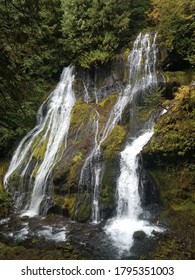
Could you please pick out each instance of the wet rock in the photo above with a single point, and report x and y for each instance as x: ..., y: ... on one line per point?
x: 109, y: 81
x: 139, y: 235
x: 156, y: 233
x: 55, y: 209
x: 24, y: 218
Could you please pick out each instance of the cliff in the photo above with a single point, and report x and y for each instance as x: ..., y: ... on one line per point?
x: 170, y: 163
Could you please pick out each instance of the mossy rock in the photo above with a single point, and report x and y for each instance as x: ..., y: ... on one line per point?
x: 65, y: 176
x: 125, y: 58
x: 108, y: 187
x: 15, y: 182
x: 107, y: 196
x: 6, y: 203
x: 176, y: 189
x: 81, y: 114
x: 108, y: 102
x: 67, y: 203
x: 39, y: 150
x: 180, y: 77
x: 84, y: 212
x: 174, y: 133
x: 114, y: 142
x: 144, y: 114
x: 3, y: 167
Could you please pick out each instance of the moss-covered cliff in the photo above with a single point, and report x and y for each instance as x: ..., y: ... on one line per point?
x: 169, y: 159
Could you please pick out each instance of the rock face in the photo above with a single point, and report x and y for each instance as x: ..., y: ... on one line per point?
x: 96, y: 92
x: 169, y: 162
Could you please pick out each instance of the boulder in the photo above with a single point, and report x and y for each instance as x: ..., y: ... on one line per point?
x: 139, y: 235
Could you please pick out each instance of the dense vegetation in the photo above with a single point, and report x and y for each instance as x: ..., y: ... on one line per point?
x: 93, y: 30
x: 175, y: 20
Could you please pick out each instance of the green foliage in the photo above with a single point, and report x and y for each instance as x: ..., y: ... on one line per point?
x: 175, y: 20
x: 95, y: 57
x: 93, y: 30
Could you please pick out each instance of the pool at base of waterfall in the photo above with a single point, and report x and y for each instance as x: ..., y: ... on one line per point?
x: 122, y: 232
x: 55, y: 237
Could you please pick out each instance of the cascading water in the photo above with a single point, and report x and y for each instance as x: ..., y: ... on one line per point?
x: 127, y: 220
x: 42, y: 147
x: 142, y: 76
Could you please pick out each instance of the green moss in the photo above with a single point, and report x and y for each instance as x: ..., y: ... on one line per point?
x: 176, y: 189
x: 125, y: 58
x: 80, y: 114
x: 40, y: 150
x: 143, y: 114
x: 114, y: 142
x: 84, y: 212
x: 175, y: 184
x: 67, y: 202
x: 14, y: 181
x: 78, y: 157
x: 107, y: 196
x: 74, y: 166
x: 70, y: 204
x: 108, y: 102
x: 3, y: 167
x: 104, y: 107
x: 180, y: 77
x: 67, y: 174
x: 35, y: 171
x: 175, y: 131
x: 6, y: 202
x: 38, y: 139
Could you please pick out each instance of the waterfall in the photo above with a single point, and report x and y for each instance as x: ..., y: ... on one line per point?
x: 142, y: 76
x: 128, y: 219
x: 142, y: 79
x: 128, y: 181
x: 42, y: 147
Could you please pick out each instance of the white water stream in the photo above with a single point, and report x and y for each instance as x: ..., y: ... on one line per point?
x: 50, y: 134
x: 127, y: 221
